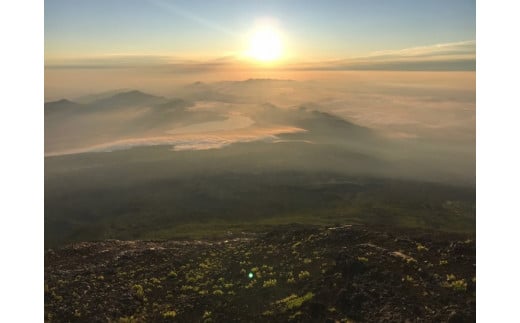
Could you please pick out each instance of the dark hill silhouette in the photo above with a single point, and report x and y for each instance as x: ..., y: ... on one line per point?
x: 63, y: 105
x: 130, y: 98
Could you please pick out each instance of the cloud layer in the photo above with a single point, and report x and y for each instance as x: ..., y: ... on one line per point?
x: 456, y: 56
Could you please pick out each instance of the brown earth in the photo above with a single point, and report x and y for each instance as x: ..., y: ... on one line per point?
x: 301, y: 274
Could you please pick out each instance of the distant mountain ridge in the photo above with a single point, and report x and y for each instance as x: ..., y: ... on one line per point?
x: 133, y: 114
x: 60, y: 106
x: 130, y: 98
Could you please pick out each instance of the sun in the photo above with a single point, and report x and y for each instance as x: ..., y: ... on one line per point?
x: 265, y: 44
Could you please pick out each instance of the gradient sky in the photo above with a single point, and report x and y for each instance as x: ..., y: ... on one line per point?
x: 311, y: 30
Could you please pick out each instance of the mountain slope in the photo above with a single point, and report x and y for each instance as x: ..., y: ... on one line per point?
x: 129, y: 99
x: 294, y: 274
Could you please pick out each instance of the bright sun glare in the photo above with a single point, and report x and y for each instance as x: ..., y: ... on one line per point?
x: 265, y: 44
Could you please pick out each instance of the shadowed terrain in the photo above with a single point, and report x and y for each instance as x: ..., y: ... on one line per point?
x: 295, y: 273
x: 261, y: 200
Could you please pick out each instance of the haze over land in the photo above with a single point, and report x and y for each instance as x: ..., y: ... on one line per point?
x: 427, y: 118
x: 205, y: 158
x: 163, y: 121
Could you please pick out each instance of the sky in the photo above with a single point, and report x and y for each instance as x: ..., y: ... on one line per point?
x: 310, y: 31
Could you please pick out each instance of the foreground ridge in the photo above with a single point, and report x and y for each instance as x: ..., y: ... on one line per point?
x: 295, y: 273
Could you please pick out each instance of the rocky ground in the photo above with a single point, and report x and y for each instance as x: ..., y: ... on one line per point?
x: 301, y: 274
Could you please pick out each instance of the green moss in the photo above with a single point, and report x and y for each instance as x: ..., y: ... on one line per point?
x: 252, y: 282
x: 268, y: 313
x: 409, y: 278
x: 295, y: 315
x: 410, y: 260
x: 420, y: 247
x: 293, y: 301
x: 296, y: 244
x: 185, y: 288
x: 458, y: 285
x: 228, y: 285
x: 57, y: 297
x: 304, y: 274
x: 269, y: 283
x: 204, y: 265
x: 169, y: 314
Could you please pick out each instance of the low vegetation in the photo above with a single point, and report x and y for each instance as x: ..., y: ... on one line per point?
x: 355, y: 272
x: 123, y: 206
